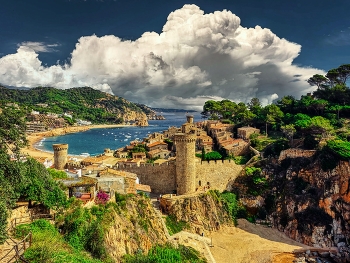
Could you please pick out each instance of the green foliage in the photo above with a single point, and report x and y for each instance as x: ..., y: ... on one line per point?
x: 56, y: 174
x: 340, y: 148
x: 40, y: 187
x: 85, y: 103
x: 174, y: 226
x: 255, y: 181
x: 3, y: 221
x: 276, y: 148
x: 139, y: 148
x: 213, y: 156
x: 240, y: 160
x: 49, y: 246
x: 166, y: 254
x: 84, y: 228
x: 230, y: 202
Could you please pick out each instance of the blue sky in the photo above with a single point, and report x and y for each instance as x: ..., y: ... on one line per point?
x: 36, y: 34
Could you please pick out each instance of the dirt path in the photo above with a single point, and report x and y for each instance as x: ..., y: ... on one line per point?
x: 249, y: 243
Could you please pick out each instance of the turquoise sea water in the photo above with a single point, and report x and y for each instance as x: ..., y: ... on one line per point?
x: 94, y: 141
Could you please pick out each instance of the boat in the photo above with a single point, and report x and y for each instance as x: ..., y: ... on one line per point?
x: 85, y: 154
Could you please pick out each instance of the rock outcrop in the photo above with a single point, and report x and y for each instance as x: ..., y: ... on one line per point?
x: 203, y: 212
x: 135, y: 228
x: 312, y: 204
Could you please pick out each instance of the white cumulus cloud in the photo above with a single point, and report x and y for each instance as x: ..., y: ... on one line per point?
x: 196, y: 57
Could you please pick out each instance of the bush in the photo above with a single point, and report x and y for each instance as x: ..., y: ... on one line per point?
x: 49, y: 246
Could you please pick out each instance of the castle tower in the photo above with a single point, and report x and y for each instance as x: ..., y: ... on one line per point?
x: 189, y: 118
x: 185, y: 163
x: 60, y: 155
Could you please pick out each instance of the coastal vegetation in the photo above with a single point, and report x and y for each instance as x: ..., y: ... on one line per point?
x: 22, y: 177
x: 302, y: 179
x: 81, y: 103
x: 318, y: 121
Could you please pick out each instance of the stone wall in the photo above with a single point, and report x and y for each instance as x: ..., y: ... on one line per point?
x: 295, y: 153
x: 217, y: 173
x: 160, y: 177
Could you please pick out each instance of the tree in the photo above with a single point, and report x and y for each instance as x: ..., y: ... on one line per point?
x: 317, y: 80
x: 12, y: 131
x: 12, y: 138
x: 289, y: 130
x: 287, y: 104
x: 273, y: 114
x: 254, y: 106
x: 213, y: 156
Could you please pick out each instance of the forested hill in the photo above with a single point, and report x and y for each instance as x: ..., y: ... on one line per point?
x: 83, y: 103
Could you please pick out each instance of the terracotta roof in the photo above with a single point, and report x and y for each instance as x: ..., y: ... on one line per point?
x: 156, y: 143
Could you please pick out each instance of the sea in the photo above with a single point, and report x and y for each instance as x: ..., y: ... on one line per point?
x: 93, y: 142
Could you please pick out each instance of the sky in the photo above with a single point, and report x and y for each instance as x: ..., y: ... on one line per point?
x: 173, y: 54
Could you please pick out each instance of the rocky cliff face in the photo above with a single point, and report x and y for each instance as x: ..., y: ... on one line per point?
x: 135, y: 228
x: 312, y: 204
x: 203, y: 212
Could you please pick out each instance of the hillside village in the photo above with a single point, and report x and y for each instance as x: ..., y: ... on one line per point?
x: 132, y: 169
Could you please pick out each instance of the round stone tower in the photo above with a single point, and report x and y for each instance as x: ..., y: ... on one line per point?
x: 185, y: 163
x: 60, y: 155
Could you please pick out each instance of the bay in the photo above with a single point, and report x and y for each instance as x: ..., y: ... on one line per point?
x: 94, y: 141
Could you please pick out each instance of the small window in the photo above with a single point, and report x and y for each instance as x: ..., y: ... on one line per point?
x: 200, y: 183
x: 208, y: 183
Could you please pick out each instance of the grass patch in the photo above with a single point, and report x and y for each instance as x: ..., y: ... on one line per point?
x: 175, y: 226
x: 166, y: 254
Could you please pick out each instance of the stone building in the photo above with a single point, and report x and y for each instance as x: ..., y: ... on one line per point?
x: 157, y: 145
x: 187, y: 174
x: 245, y: 132
x: 60, y: 155
x: 236, y: 147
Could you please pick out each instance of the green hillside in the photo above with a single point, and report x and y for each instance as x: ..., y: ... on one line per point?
x: 83, y: 103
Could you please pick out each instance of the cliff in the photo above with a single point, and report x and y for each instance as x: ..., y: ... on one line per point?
x: 203, y: 212
x: 312, y: 204
x: 135, y: 228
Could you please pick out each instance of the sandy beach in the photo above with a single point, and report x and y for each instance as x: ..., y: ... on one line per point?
x: 250, y: 243
x: 36, y: 137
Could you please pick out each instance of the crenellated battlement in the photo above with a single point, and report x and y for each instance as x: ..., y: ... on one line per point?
x: 60, y: 147
x: 60, y: 155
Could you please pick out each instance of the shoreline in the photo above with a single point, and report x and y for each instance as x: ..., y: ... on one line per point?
x: 34, y: 138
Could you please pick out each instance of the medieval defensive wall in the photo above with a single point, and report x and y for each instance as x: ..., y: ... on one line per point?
x: 162, y: 177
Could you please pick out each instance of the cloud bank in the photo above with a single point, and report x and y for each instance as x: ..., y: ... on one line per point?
x: 196, y: 57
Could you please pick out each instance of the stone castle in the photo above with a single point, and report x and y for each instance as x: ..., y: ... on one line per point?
x: 187, y: 174
x: 184, y: 175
